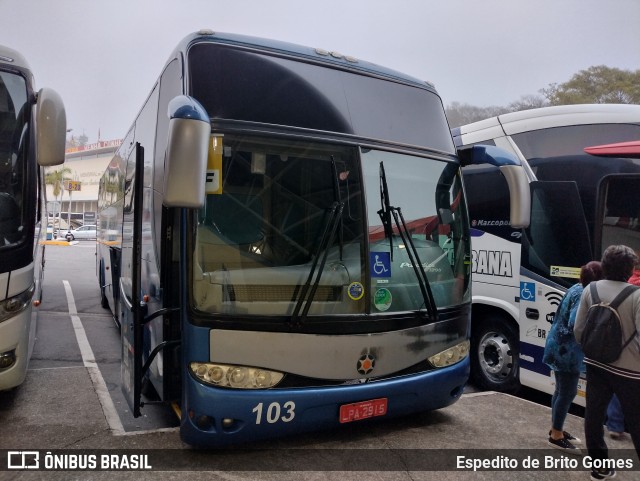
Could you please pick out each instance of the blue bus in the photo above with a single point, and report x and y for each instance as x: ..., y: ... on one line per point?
x: 283, y: 239
x: 32, y: 136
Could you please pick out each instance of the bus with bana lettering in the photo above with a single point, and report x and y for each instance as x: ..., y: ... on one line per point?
x: 582, y: 202
x: 32, y: 136
x: 283, y: 239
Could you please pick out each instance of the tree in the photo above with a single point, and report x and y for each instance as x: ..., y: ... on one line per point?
x: 461, y: 114
x: 528, y: 102
x: 56, y: 179
x: 597, y: 85
x: 79, y: 141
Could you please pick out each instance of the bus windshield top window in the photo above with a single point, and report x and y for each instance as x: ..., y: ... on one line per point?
x: 293, y: 229
x: 13, y: 113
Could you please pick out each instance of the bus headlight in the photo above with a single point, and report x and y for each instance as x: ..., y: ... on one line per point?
x: 450, y: 356
x: 12, y: 306
x: 7, y: 359
x: 240, y: 377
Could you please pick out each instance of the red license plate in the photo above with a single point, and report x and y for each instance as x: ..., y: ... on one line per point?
x: 363, y: 410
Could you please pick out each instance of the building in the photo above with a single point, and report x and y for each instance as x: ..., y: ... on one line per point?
x: 77, y: 204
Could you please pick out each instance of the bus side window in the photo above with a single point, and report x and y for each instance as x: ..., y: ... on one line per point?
x: 7, y: 123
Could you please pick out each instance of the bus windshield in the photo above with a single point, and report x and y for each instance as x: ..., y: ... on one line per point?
x: 296, y: 222
x: 13, y: 113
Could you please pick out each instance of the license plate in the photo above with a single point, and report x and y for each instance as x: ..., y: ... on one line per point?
x: 363, y: 410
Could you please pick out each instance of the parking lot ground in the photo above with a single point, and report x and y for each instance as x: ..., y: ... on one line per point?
x: 57, y: 410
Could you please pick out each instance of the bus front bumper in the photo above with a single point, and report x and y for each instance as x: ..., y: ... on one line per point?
x: 14, y: 348
x: 215, y: 417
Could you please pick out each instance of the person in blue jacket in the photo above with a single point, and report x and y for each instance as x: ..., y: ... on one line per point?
x: 564, y: 356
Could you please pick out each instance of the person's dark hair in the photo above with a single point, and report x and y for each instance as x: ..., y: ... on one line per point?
x: 618, y: 262
x: 590, y: 272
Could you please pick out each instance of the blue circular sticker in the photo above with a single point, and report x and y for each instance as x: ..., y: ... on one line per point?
x: 356, y: 291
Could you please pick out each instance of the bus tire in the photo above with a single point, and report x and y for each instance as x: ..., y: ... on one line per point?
x: 494, y: 355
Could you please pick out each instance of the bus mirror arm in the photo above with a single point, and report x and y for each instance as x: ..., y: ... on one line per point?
x: 519, y: 194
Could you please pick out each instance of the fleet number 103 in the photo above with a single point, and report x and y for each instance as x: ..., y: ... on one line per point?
x: 275, y: 412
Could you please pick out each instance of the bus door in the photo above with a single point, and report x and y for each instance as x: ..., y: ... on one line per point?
x: 554, y: 247
x: 618, y: 212
x: 129, y: 302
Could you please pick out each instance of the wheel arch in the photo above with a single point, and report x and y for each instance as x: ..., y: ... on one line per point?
x: 502, y: 311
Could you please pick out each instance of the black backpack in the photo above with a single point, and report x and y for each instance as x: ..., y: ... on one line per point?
x: 602, y: 336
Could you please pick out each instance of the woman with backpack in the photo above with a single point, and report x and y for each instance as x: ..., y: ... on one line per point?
x: 620, y: 376
x: 564, y: 356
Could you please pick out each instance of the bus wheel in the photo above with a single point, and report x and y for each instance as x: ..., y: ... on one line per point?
x: 494, y: 356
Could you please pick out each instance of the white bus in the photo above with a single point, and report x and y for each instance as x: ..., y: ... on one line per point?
x: 580, y: 205
x: 32, y: 135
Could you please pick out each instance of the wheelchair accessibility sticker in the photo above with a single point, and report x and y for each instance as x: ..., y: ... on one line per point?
x: 380, y: 264
x: 528, y: 291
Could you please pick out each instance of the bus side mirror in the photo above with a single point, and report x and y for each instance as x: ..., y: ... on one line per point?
x: 51, y: 128
x: 514, y: 173
x: 187, y: 153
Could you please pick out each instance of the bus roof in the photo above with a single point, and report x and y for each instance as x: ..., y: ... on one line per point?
x: 547, y: 117
x: 621, y: 149
x: 312, y: 54
x: 12, y: 58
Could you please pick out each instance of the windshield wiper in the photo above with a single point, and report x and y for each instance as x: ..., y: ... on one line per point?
x: 386, y: 213
x: 385, y: 210
x: 328, y: 234
x: 338, y: 197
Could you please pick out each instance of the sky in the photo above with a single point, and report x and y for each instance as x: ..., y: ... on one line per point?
x: 103, y: 56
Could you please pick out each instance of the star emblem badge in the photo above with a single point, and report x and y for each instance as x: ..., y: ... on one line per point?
x: 366, y: 363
